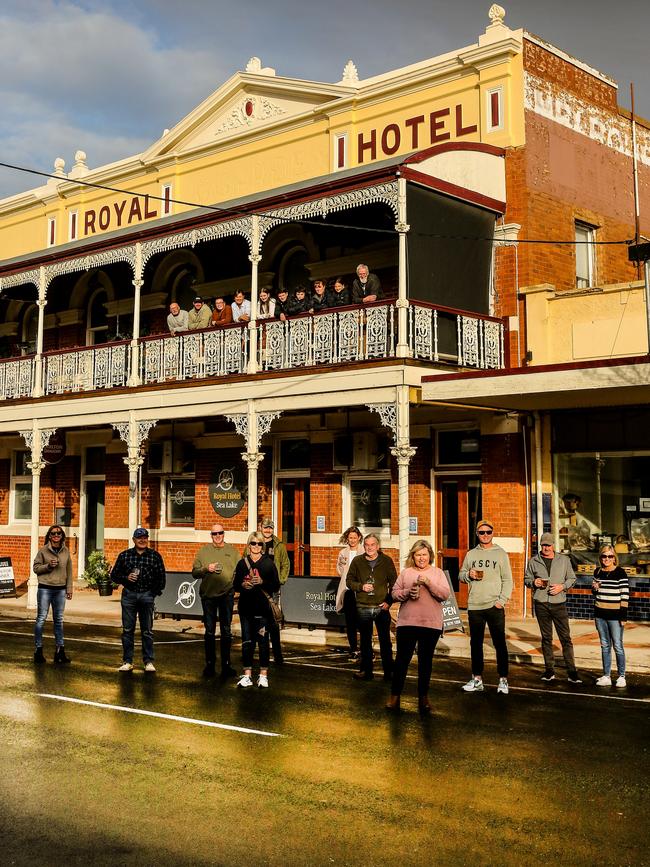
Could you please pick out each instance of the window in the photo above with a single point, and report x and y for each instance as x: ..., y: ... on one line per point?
x: 21, y: 487
x: 458, y: 448
x: 370, y: 504
x: 179, y: 502
x: 51, y: 231
x: 494, y: 109
x: 340, y: 151
x: 585, y: 259
x: 97, y: 329
x: 294, y: 455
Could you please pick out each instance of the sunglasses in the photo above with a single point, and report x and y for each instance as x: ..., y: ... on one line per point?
x: 56, y: 533
x: 217, y: 532
x: 607, y: 557
x: 485, y: 532
x: 255, y: 544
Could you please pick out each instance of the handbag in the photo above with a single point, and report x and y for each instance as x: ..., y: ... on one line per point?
x: 276, y: 611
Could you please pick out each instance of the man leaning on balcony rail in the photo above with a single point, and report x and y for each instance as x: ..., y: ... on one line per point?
x: 222, y: 313
x: 177, y: 319
x: 366, y: 286
x: 200, y: 316
x: 241, y: 308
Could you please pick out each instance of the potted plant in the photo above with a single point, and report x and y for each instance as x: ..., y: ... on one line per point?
x: 97, y: 573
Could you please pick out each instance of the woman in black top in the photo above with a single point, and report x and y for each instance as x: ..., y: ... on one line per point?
x: 611, y: 589
x: 256, y: 578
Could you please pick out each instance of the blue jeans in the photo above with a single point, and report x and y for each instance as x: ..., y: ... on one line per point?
x: 138, y: 605
x: 221, y: 608
x: 381, y: 618
x: 46, y: 596
x: 254, y: 630
x: 611, y: 633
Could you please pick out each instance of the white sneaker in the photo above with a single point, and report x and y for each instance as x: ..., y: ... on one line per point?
x: 605, y: 680
x: 474, y: 684
x: 244, y: 681
x: 621, y: 683
x: 503, y: 685
x: 149, y: 666
x: 126, y: 666
x: 263, y: 681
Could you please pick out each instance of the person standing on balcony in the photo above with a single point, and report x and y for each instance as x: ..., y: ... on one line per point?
x: 371, y: 576
x: 177, y: 319
x: 366, y: 286
x: 550, y: 575
x: 318, y: 300
x: 339, y: 294
x: 265, y: 305
x: 141, y: 571
x: 299, y: 303
x: 282, y: 305
x: 215, y: 565
x: 486, y: 569
x: 200, y: 316
x: 53, y: 566
x: 241, y: 308
x: 222, y: 313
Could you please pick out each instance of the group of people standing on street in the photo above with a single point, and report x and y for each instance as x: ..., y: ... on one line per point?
x: 368, y: 586
x: 366, y: 287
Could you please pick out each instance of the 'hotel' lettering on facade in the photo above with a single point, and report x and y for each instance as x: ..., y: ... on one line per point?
x: 418, y: 132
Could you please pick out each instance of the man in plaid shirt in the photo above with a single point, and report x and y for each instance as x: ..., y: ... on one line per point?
x: 141, y: 571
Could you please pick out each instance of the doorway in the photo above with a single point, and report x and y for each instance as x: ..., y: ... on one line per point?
x: 94, y: 535
x: 294, y: 523
x: 458, y: 506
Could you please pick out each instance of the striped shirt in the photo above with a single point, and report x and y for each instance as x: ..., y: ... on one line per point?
x: 612, y: 596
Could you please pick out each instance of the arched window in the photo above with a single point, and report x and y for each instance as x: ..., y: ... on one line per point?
x: 29, y: 331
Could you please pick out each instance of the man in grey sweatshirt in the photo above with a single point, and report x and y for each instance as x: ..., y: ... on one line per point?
x: 486, y: 569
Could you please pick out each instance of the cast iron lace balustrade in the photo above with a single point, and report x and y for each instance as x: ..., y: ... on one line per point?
x: 16, y: 378
x: 195, y: 354
x: 89, y: 368
x: 439, y: 335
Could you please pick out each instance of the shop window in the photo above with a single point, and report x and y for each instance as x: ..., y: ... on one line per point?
x: 179, y: 501
x: 21, y: 487
x: 585, y: 257
x: 370, y: 504
x: 294, y: 455
x: 604, y: 498
x: 458, y: 448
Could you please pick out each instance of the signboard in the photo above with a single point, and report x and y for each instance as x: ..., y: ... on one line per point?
x: 450, y: 615
x: 180, y: 596
x: 311, y: 601
x: 7, y: 582
x: 227, y: 491
x: 54, y: 451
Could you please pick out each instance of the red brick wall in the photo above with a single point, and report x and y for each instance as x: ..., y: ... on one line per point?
x: 504, y: 499
x: 326, y: 499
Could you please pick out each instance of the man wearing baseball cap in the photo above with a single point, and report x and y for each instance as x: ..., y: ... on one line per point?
x: 141, y: 571
x: 486, y: 569
x: 200, y: 316
x: 550, y: 575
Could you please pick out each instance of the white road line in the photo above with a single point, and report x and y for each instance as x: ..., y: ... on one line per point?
x: 172, y: 717
x: 576, y: 693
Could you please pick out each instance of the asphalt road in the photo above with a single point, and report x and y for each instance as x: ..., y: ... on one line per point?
x: 101, y: 768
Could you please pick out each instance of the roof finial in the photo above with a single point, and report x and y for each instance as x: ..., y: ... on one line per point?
x: 350, y: 73
x: 496, y: 14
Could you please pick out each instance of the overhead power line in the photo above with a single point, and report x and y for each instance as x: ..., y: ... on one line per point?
x: 240, y: 212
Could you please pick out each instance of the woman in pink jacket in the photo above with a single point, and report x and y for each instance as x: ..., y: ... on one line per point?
x: 421, y: 588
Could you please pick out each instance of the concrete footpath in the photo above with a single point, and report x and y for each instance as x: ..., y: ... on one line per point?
x: 87, y: 607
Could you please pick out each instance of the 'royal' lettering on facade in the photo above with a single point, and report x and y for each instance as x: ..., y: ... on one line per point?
x: 419, y: 131
x: 119, y: 214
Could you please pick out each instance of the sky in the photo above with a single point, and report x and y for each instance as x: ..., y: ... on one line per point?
x: 108, y: 77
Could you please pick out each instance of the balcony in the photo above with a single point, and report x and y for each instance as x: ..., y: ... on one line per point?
x: 437, y: 335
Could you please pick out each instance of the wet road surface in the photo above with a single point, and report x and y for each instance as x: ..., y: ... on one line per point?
x: 105, y: 768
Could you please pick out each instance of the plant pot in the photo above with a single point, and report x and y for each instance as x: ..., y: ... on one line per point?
x: 105, y: 589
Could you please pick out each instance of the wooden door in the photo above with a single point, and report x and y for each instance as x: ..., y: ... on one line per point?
x: 294, y: 523
x: 458, y: 507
